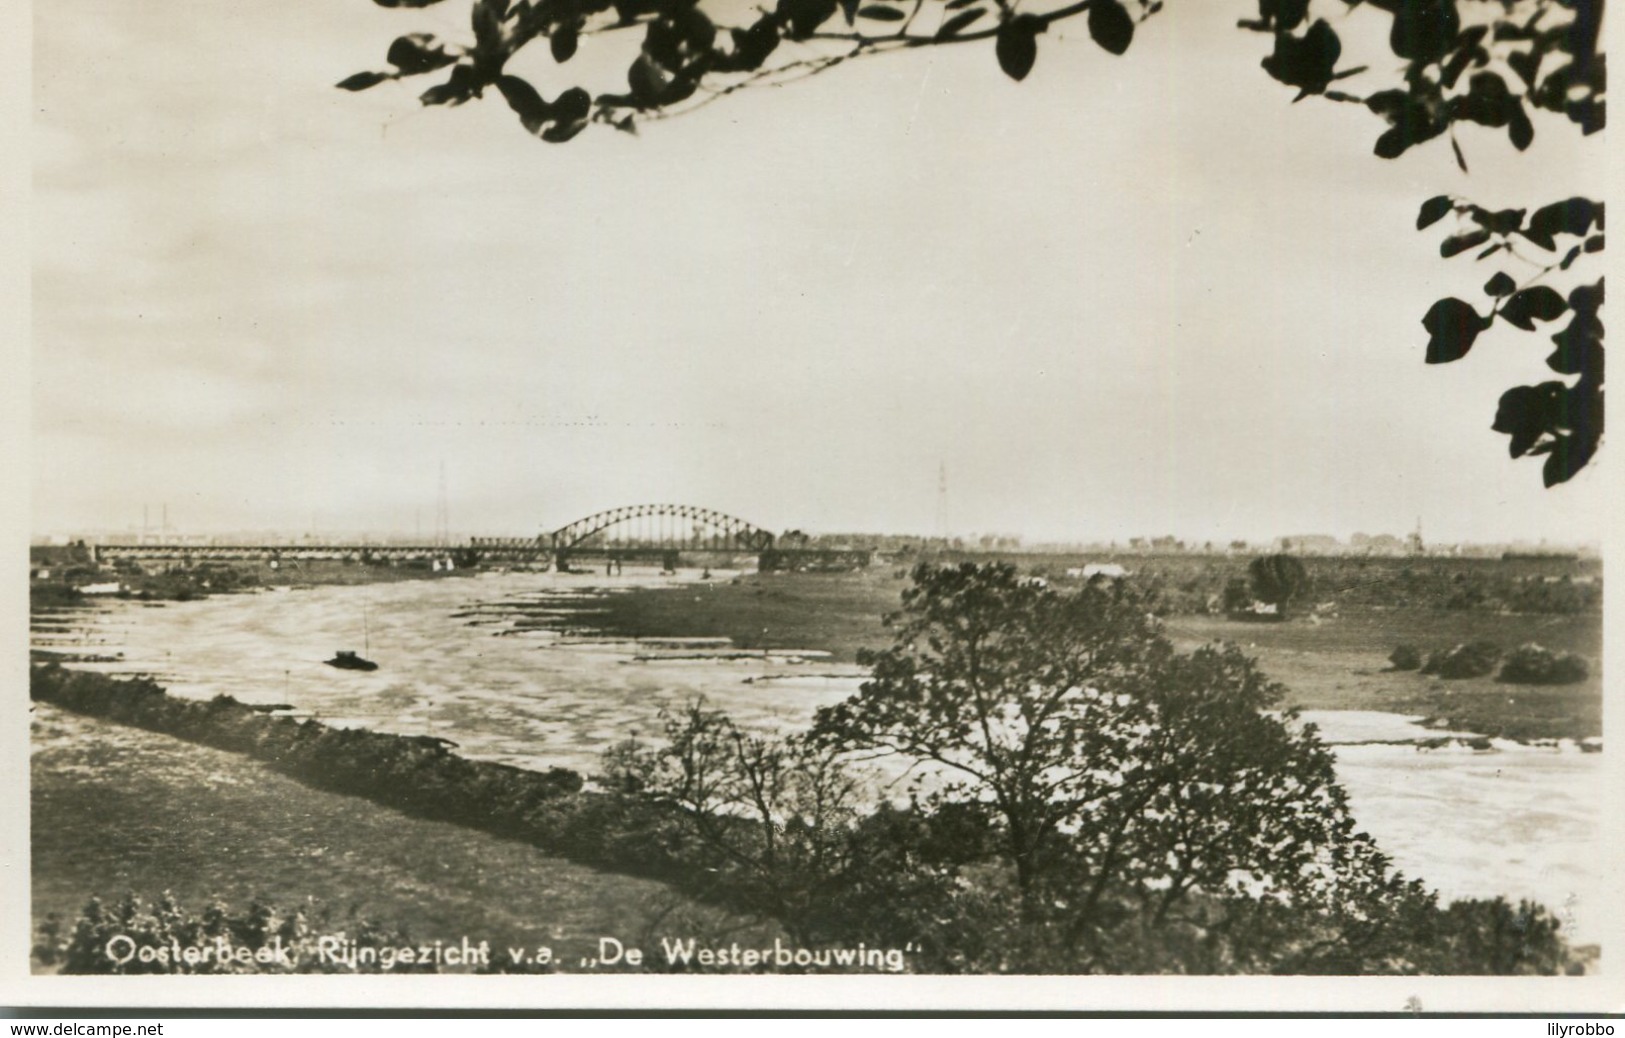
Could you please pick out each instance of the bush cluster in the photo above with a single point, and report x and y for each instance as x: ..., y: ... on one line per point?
x: 1466, y: 660
x: 1405, y: 657
x: 1533, y: 664
x: 1528, y: 664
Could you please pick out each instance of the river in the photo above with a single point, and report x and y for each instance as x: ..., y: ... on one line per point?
x: 495, y: 664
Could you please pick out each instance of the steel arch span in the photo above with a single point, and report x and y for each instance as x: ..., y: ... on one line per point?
x: 683, y: 527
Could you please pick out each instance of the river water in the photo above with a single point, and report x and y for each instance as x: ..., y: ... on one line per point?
x: 496, y: 664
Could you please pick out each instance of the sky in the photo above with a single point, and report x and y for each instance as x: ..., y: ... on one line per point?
x: 1128, y: 296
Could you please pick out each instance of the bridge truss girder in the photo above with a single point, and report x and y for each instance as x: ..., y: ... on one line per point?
x: 663, y: 526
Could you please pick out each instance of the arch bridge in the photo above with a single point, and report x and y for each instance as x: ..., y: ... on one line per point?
x: 665, y: 529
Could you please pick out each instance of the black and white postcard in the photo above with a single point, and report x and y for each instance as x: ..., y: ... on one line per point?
x: 952, y: 504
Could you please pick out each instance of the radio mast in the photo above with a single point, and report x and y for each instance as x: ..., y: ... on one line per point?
x: 442, y: 513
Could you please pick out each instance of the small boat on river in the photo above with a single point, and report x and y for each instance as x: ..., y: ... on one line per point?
x: 346, y: 659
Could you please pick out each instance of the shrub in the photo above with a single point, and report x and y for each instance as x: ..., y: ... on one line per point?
x: 1405, y: 657
x: 1534, y: 664
x: 1471, y: 660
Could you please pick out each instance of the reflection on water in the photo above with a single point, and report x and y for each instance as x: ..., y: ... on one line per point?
x: 484, y: 662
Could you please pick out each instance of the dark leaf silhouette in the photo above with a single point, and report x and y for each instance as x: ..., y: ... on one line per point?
x: 533, y: 112
x: 803, y: 17
x: 1110, y: 26
x: 1587, y: 299
x: 1526, y: 413
x: 1503, y: 222
x: 1487, y: 101
x: 1571, y: 216
x: 1519, y: 128
x: 1307, y: 62
x: 458, y: 88
x: 418, y: 53
x: 1432, y: 211
x: 1017, y: 45
x: 572, y: 106
x: 1410, y: 120
x: 363, y: 80
x: 1579, y: 348
x: 558, y: 133
x: 1460, y: 243
x: 1452, y: 325
x: 1540, y: 303
x: 1500, y: 285
x: 958, y: 22
x: 1423, y: 30
x: 1569, y: 455
x: 1284, y: 15
x: 563, y: 43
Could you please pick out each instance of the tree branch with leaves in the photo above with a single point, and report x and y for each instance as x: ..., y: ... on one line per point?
x: 1444, y: 64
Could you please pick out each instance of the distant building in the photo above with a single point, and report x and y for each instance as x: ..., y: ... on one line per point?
x: 1309, y: 544
x: 1097, y: 569
x: 1377, y: 544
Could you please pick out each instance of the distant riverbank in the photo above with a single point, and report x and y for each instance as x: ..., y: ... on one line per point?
x: 202, y: 581
x: 1331, y: 658
x: 1336, y: 661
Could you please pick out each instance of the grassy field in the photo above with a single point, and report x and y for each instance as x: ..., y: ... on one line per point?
x: 1341, y: 663
x: 1335, y: 662
x: 118, y: 809
x: 837, y: 613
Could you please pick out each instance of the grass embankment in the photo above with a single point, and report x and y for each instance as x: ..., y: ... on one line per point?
x: 117, y: 809
x: 1336, y: 662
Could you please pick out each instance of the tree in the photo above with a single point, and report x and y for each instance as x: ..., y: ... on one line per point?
x: 1277, y: 579
x: 1485, y: 62
x: 1090, y: 801
x: 773, y: 815
x: 1125, y: 777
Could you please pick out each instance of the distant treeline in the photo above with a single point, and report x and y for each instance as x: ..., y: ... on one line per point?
x: 1549, y: 586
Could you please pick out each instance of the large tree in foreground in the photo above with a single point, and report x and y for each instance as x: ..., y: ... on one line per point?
x: 1088, y: 800
x: 1424, y: 68
x: 1116, y: 767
